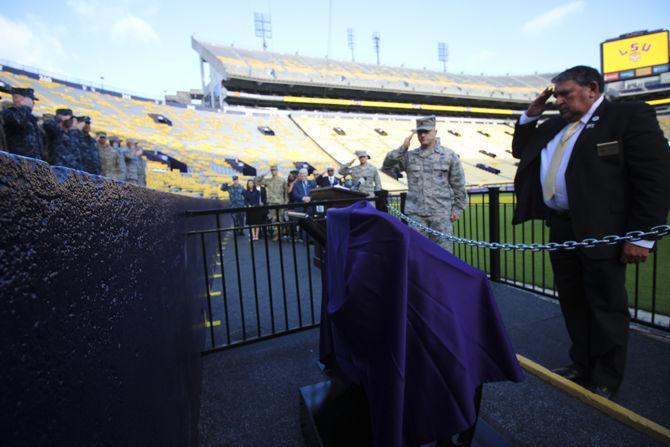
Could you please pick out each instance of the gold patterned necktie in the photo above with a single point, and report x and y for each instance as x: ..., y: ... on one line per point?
x: 549, y: 187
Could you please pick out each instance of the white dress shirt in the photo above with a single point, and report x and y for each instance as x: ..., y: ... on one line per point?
x: 560, y: 200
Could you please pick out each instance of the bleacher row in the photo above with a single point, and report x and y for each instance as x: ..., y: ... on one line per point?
x: 282, y: 68
x: 204, y: 140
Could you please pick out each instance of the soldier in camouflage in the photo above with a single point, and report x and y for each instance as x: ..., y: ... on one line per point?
x: 141, y: 167
x: 88, y: 149
x: 63, y: 145
x: 236, y: 201
x: 22, y: 134
x: 135, y: 165
x: 364, y: 177
x: 112, y: 161
x: 435, y: 178
x: 277, y: 194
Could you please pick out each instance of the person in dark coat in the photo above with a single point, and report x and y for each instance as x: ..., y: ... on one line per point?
x: 255, y: 215
x: 22, y: 133
x: 88, y: 148
x: 327, y: 178
x: 597, y: 169
x: 62, y: 143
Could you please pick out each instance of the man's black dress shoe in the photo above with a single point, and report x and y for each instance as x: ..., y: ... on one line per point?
x: 571, y: 372
x: 603, y: 391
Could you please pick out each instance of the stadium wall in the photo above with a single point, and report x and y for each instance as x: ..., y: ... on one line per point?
x: 101, y: 326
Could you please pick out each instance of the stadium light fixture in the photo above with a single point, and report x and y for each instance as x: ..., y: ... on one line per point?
x: 375, y: 43
x: 350, y: 42
x: 263, y: 27
x: 443, y: 54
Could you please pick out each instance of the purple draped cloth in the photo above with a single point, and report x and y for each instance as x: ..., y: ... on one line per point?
x: 416, y: 327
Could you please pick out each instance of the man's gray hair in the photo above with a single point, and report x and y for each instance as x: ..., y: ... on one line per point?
x: 303, y: 171
x: 582, y: 75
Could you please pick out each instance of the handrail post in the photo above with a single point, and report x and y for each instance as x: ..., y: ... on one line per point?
x: 494, y: 231
x: 381, y: 200
x: 403, y: 198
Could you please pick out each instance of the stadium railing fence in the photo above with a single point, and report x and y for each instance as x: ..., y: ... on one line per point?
x: 256, y: 290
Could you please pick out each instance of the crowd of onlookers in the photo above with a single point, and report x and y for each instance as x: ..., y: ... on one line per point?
x: 273, y: 189
x: 64, y: 139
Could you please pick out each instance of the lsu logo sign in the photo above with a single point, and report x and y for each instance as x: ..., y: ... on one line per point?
x: 635, y: 52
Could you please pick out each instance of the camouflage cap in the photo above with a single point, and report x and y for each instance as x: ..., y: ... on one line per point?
x: 101, y: 134
x: 425, y: 123
x: 86, y: 119
x: 27, y: 92
x: 273, y: 167
x: 235, y: 177
x: 360, y: 154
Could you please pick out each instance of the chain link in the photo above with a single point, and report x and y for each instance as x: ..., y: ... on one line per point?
x: 656, y: 232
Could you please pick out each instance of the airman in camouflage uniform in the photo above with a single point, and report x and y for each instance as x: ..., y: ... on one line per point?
x: 277, y: 194
x: 113, y: 164
x: 22, y: 134
x: 435, y: 178
x: 135, y: 165
x: 236, y: 201
x: 365, y: 177
x: 88, y: 149
x: 63, y: 145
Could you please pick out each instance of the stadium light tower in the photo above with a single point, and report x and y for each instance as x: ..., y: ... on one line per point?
x: 375, y: 42
x: 443, y: 54
x: 350, y: 42
x: 263, y: 27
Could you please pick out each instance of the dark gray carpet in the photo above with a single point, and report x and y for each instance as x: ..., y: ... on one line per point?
x: 250, y: 393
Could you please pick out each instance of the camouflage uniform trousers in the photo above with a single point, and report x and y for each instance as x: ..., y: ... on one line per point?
x: 274, y: 216
x: 438, y: 222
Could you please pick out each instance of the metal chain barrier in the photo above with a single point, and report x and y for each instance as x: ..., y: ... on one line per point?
x: 656, y: 232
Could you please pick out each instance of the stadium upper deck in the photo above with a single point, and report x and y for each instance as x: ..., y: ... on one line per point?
x: 268, y: 67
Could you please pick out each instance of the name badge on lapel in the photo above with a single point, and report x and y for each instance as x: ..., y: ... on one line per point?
x: 608, y: 149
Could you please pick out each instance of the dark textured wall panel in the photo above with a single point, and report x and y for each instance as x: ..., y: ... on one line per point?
x: 100, y: 328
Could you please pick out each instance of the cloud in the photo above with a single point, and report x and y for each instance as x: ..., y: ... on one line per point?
x: 32, y: 43
x: 126, y: 27
x: 132, y: 29
x: 85, y: 9
x: 552, y: 17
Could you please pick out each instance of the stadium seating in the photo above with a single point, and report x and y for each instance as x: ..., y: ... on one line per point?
x: 203, y: 140
x: 275, y: 67
x: 360, y: 133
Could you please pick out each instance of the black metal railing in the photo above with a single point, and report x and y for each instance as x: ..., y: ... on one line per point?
x: 489, y: 217
x: 255, y: 290
x: 260, y: 289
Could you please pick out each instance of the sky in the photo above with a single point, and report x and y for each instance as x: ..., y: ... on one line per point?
x: 145, y: 46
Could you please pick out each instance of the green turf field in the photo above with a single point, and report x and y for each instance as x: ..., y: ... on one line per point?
x: 535, y: 268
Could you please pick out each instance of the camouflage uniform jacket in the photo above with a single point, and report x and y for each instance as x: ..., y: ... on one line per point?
x: 112, y: 163
x: 62, y: 145
x: 22, y: 134
x: 141, y: 171
x: 235, y: 193
x: 132, y: 167
x: 88, y: 150
x: 435, y: 179
x: 277, y: 191
x: 365, y: 178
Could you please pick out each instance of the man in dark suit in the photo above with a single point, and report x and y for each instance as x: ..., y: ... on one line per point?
x: 327, y: 178
x: 597, y: 169
x: 302, y: 187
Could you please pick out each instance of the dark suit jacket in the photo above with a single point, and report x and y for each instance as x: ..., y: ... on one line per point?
x: 322, y: 181
x: 609, y: 193
x: 299, y: 191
